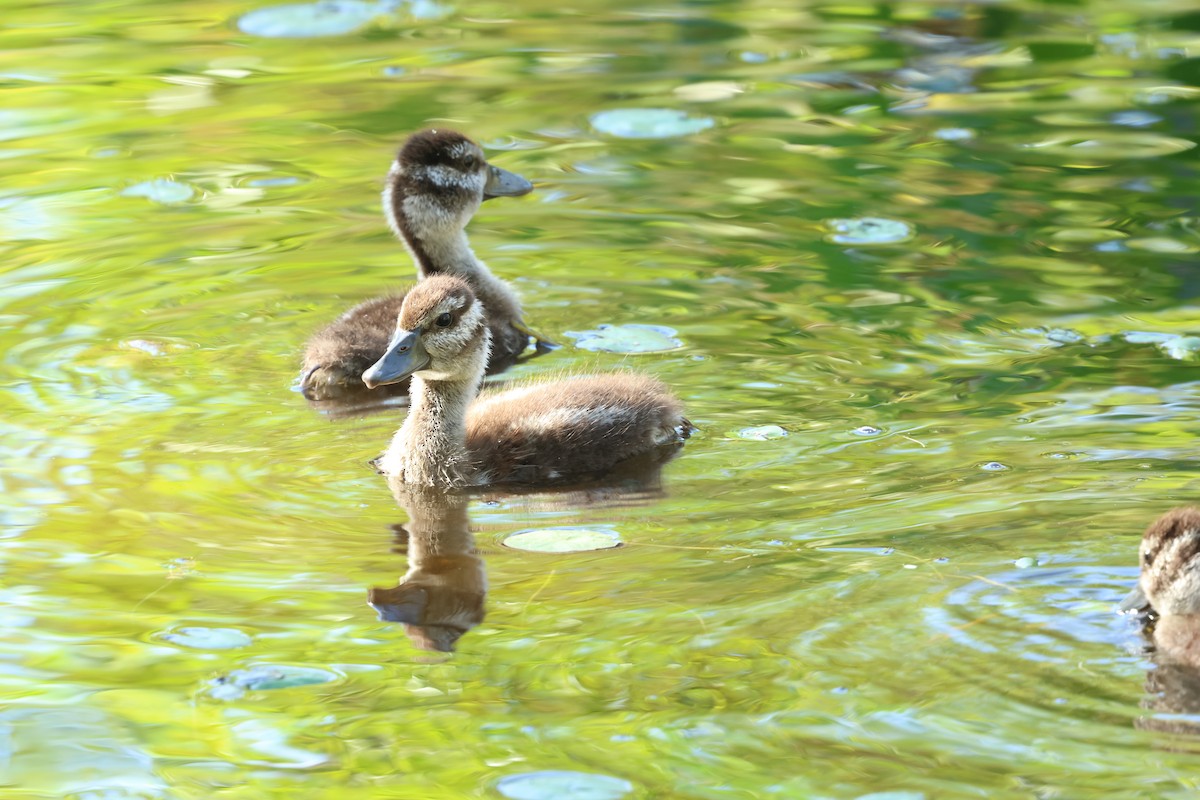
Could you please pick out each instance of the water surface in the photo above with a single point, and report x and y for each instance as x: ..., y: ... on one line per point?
x: 932, y: 267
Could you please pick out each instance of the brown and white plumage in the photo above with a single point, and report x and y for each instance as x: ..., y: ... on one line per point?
x: 545, y: 433
x: 435, y: 186
x: 1169, y: 558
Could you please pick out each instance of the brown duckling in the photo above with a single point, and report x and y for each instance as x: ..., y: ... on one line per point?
x: 565, y: 431
x: 436, y: 184
x: 1168, y: 593
x: 1169, y: 584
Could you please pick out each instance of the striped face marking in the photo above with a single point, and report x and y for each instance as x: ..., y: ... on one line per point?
x: 450, y: 321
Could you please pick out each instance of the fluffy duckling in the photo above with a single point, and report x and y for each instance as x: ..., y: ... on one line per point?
x: 436, y: 184
x: 1170, y: 562
x: 557, y: 432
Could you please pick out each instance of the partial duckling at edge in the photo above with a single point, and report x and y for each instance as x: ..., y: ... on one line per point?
x: 436, y: 184
x: 1169, y: 585
x: 565, y: 431
x: 1169, y: 558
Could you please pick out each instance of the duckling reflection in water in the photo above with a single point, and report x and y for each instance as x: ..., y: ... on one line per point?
x: 441, y: 596
x: 1168, y: 595
x: 543, y: 433
x: 437, y: 183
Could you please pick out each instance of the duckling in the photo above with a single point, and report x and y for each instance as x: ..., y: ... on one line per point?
x: 436, y: 184
x: 555, y: 432
x: 1170, y: 562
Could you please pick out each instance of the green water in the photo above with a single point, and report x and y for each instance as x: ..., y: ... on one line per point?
x: 912, y: 592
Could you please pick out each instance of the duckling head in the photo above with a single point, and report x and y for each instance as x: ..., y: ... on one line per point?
x: 438, y: 181
x: 441, y: 335
x: 1170, y: 562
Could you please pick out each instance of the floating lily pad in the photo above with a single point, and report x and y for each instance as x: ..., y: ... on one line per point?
x: 202, y: 638
x: 869, y: 230
x: 648, y: 123
x: 1135, y: 118
x: 1183, y: 348
x: 304, y: 20
x: 954, y: 134
x: 1147, y: 337
x: 160, y: 190
x: 563, y: 540
x: 563, y: 785
x: 1065, y: 336
x: 631, y: 338
x: 762, y: 433
x: 264, y: 677
x: 286, y: 180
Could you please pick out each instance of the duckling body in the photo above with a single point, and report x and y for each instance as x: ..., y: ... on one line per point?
x: 553, y: 432
x: 435, y: 186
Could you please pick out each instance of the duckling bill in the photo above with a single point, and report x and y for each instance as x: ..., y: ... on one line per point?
x: 541, y: 434
x: 436, y: 184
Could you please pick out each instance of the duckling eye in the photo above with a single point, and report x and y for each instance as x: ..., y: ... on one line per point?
x: 471, y: 163
x: 444, y: 320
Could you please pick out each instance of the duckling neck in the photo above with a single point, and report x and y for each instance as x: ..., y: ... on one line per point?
x: 430, y: 449
x: 433, y: 233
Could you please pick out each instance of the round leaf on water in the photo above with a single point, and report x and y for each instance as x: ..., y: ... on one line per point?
x: 1065, y: 336
x: 868, y: 230
x: 631, y: 338
x: 202, y: 638
x: 954, y: 134
x: 1147, y: 337
x: 563, y: 540
x: 303, y: 20
x: 762, y: 432
x: 160, y: 190
x: 264, y: 677
x: 648, y: 123
x: 563, y: 785
x: 1183, y: 348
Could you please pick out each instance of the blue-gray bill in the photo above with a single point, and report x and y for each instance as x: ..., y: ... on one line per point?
x: 405, y: 355
x: 502, y: 183
x: 1134, y: 601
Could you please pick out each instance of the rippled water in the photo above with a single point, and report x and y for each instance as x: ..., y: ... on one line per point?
x: 934, y: 271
